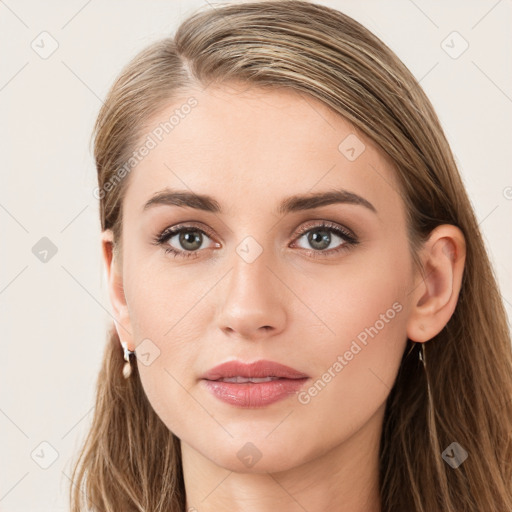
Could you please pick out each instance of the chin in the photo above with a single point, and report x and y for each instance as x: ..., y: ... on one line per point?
x: 259, y: 457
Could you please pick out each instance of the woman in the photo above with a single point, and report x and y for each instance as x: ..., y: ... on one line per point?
x: 306, y: 316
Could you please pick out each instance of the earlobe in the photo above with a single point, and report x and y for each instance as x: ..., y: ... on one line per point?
x: 435, y: 297
x: 116, y: 289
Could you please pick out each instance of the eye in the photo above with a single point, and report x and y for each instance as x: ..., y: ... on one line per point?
x: 320, y: 237
x: 188, y: 238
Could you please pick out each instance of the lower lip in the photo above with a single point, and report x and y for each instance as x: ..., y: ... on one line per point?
x: 254, y: 394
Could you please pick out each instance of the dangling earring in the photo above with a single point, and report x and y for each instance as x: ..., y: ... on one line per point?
x: 413, y: 346
x: 429, y: 391
x: 127, y: 369
x: 421, y: 355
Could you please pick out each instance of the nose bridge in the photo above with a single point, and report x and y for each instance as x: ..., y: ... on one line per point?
x: 249, y: 263
x: 250, y: 301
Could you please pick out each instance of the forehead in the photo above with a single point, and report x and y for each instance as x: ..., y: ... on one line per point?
x: 251, y: 146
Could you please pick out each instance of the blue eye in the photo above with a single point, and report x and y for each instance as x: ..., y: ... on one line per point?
x: 191, y: 239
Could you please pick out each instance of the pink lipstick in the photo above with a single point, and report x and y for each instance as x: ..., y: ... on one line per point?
x: 253, y: 385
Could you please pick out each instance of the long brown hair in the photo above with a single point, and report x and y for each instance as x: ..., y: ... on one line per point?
x: 130, y: 460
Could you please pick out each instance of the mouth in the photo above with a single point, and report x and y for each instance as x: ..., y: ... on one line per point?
x: 253, y: 385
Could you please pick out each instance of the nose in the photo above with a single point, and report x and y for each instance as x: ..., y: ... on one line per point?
x: 252, y: 305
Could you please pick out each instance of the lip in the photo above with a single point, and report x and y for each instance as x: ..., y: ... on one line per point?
x: 258, y: 369
x: 253, y: 394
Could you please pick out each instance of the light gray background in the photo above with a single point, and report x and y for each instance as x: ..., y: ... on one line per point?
x: 54, y: 315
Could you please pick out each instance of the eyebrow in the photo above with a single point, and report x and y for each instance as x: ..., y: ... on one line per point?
x: 186, y: 199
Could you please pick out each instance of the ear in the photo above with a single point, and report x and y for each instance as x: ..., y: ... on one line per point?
x: 116, y: 289
x: 436, y: 291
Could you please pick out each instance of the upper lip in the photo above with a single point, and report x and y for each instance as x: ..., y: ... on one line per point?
x: 258, y: 369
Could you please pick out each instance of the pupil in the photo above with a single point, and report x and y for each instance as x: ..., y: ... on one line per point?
x: 316, y: 241
x: 190, y: 238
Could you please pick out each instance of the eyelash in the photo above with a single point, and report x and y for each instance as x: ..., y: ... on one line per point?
x: 349, y: 239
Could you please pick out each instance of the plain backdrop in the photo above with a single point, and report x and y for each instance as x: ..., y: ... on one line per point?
x: 55, y: 313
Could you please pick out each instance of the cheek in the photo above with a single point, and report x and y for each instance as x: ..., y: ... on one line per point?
x: 364, y: 313
x: 356, y: 368
x: 361, y: 301
x: 164, y: 308
x: 160, y: 298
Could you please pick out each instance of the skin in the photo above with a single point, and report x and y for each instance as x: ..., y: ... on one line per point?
x: 249, y: 149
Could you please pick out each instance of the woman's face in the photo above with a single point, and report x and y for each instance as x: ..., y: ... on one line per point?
x: 263, y: 279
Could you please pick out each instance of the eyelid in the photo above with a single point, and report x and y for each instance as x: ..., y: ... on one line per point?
x: 319, y: 223
x: 170, y: 231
